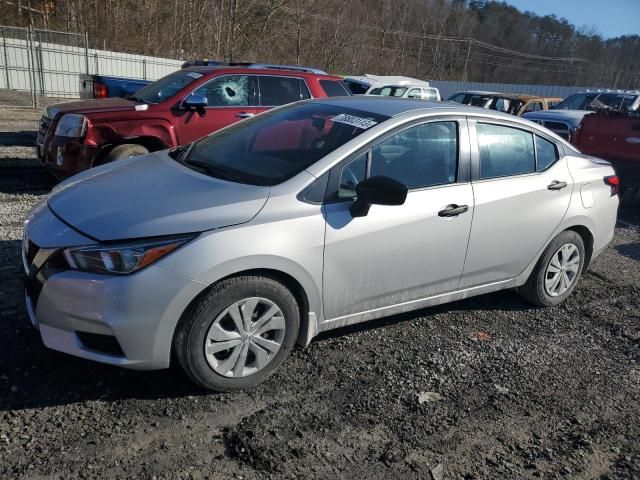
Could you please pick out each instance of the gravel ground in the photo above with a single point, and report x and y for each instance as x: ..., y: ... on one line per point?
x: 483, y: 388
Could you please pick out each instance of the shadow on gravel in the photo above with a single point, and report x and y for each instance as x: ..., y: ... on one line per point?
x: 32, y: 376
x: 507, y: 300
x: 25, y: 138
x: 24, y: 176
x: 630, y: 250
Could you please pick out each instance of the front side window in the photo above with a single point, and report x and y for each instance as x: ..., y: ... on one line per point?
x: 351, y: 175
x: 533, y: 107
x: 276, y: 145
x: 504, y: 151
x: 458, y: 98
x: 546, y: 153
x: 414, y: 93
x: 276, y: 91
x: 422, y: 156
x: 228, y: 91
x: 166, y: 87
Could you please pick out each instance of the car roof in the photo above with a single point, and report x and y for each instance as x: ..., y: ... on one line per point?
x: 392, y: 106
x: 387, y: 81
x: 257, y: 71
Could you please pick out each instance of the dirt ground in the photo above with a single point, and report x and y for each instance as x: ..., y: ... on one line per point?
x: 486, y: 388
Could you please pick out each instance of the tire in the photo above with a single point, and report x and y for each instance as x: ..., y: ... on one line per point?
x: 123, y: 151
x: 208, y: 324
x: 537, y: 290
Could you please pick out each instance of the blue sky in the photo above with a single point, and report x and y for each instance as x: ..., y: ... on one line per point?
x: 611, y: 18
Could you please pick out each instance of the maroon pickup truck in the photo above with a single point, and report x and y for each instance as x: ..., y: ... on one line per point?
x: 614, y: 136
x: 177, y: 109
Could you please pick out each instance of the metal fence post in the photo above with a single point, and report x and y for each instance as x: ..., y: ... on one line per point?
x: 95, y: 61
x: 43, y: 90
x: 32, y: 71
x: 6, y: 59
x: 86, y: 52
x: 144, y: 68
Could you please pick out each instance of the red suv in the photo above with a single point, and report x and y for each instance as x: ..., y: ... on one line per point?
x: 177, y: 109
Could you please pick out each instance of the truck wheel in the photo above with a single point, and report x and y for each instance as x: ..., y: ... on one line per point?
x: 123, y: 151
x: 557, y: 272
x: 238, y: 333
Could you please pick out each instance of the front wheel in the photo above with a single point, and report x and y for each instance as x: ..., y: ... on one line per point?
x: 238, y: 333
x: 557, y: 272
x: 124, y: 151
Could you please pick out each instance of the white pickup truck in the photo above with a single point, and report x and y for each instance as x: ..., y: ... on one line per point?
x: 391, y: 86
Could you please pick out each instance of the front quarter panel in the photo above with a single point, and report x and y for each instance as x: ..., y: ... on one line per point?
x: 287, y: 236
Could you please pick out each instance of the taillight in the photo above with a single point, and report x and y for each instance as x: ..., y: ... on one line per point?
x: 614, y: 182
x: 99, y: 90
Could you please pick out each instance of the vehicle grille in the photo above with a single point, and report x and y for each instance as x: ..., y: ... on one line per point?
x: 43, y: 129
x: 32, y: 251
x: 33, y: 287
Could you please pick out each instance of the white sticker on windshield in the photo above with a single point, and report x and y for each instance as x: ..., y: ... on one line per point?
x: 359, y: 122
x: 194, y: 74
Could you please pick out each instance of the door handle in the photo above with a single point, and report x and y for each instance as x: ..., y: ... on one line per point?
x: 556, y: 185
x: 244, y: 115
x: 453, y: 210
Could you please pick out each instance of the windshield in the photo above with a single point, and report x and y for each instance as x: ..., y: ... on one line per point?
x: 388, y: 91
x: 276, y: 145
x: 166, y: 87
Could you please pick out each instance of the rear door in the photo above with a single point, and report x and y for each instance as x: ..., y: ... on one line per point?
x: 522, y: 188
x: 230, y: 98
x: 399, y: 254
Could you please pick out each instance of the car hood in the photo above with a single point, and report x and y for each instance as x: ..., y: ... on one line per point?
x: 92, y: 106
x: 574, y: 117
x: 152, y: 195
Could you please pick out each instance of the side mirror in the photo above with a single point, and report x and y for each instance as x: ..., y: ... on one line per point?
x: 377, y: 190
x: 195, y: 102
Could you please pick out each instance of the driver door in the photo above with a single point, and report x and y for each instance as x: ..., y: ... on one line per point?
x: 230, y: 98
x: 399, y: 254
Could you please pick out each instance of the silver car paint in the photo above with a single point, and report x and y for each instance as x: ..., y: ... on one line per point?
x: 140, y: 209
x: 288, y: 236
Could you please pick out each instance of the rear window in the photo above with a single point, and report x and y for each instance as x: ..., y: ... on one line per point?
x: 334, y: 88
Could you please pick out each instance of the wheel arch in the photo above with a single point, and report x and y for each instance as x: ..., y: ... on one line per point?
x: 308, y: 323
x: 587, y: 240
x: 151, y: 143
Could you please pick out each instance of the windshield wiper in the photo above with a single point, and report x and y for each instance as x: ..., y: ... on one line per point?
x: 214, y: 170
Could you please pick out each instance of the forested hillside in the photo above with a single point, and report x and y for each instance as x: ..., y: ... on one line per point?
x: 431, y: 39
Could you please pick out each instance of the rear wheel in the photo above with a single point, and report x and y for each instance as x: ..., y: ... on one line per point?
x: 557, y: 272
x: 123, y: 151
x: 238, y: 334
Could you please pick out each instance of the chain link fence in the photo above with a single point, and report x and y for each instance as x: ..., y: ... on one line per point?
x: 38, y: 67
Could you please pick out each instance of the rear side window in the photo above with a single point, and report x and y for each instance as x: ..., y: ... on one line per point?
x: 334, y: 88
x: 276, y: 91
x: 504, y: 151
x: 533, y: 107
x: 546, y: 153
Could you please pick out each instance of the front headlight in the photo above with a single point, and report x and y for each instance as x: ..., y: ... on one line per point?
x: 122, y: 259
x: 72, y: 125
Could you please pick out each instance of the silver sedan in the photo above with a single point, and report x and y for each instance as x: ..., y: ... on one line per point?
x: 225, y: 253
